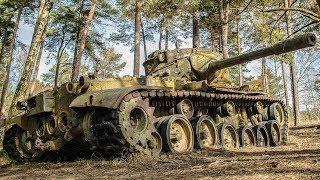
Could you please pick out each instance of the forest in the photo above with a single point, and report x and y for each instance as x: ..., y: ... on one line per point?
x: 46, y: 43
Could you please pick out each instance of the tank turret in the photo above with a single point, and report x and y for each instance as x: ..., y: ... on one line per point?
x: 206, y: 64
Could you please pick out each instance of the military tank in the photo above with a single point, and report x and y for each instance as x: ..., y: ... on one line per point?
x: 183, y: 103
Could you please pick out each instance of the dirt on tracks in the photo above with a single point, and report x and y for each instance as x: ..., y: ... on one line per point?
x: 300, y: 159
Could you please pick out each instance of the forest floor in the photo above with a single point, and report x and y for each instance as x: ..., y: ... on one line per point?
x: 300, y: 159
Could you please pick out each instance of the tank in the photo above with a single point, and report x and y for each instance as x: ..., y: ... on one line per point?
x: 184, y: 102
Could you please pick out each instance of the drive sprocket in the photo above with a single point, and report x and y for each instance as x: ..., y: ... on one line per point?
x: 136, y: 121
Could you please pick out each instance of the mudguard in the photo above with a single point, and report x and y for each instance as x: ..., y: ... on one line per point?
x: 110, y: 98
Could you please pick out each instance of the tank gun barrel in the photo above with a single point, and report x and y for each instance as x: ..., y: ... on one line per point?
x: 296, y: 43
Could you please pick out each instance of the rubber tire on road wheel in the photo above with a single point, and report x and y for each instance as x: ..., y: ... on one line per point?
x: 249, y: 132
x: 165, y: 128
x: 222, y: 129
x: 260, y: 131
x: 197, y: 128
x: 275, y: 139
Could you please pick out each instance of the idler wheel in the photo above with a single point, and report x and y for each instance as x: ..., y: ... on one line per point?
x: 19, y: 145
x: 274, y: 133
x: 246, y: 137
x: 228, y: 136
x: 176, y: 133
x: 205, y: 133
x: 262, y: 137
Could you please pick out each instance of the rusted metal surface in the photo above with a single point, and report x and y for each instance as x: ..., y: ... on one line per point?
x: 105, y: 98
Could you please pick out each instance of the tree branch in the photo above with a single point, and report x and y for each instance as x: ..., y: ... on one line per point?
x: 278, y: 20
x: 305, y: 12
x: 245, y: 8
x: 305, y: 26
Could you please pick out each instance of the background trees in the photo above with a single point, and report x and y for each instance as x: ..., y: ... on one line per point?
x: 74, y: 37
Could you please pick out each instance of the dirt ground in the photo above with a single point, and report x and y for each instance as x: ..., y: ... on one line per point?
x: 300, y: 159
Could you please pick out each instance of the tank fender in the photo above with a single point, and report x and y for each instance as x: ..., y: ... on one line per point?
x: 110, y: 98
x: 21, y: 120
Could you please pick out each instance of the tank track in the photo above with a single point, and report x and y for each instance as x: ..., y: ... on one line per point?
x: 107, y: 130
x: 10, y: 146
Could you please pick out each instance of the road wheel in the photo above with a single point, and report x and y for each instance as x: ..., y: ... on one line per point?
x: 274, y: 133
x: 246, y: 137
x: 177, y: 134
x: 262, y: 137
x: 228, y: 136
x: 205, y: 132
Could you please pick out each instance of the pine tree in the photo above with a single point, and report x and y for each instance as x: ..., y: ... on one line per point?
x: 80, y: 46
x: 42, y: 21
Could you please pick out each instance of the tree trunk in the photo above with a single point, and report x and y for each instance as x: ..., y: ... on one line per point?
x: 213, y: 39
x: 284, y: 83
x: 59, y: 55
x: 224, y: 15
x: 264, y: 76
x: 295, y: 97
x: 4, y: 40
x: 220, y: 42
x: 177, y: 44
x: 144, y: 42
x: 160, y: 37
x: 167, y: 39
x: 22, y: 87
x: 196, y: 31
x: 137, y: 36
x: 293, y: 73
x: 239, y: 52
x: 36, y: 68
x: 82, y: 43
x: 10, y: 58
x: 77, y: 37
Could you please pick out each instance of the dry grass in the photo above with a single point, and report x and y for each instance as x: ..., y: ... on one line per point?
x: 4, y: 160
x: 299, y: 159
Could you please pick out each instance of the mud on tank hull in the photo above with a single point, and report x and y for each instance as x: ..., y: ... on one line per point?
x: 148, y: 120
